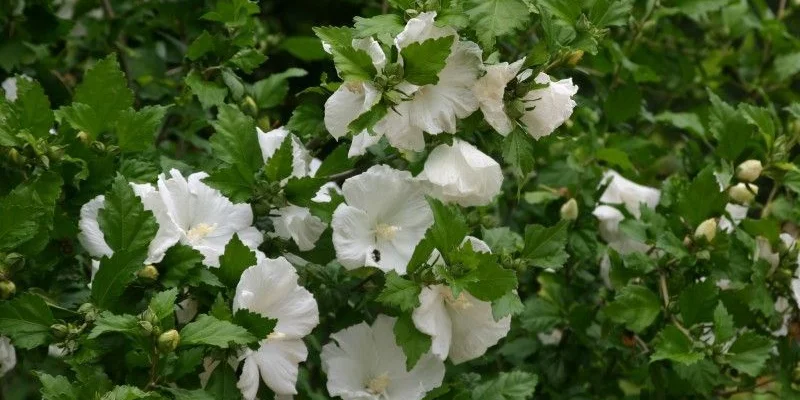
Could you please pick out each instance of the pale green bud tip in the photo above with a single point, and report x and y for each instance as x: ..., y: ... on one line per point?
x: 168, y: 341
x: 707, y: 229
x: 149, y: 272
x: 569, y: 210
x: 743, y: 193
x: 749, y: 170
x: 7, y: 289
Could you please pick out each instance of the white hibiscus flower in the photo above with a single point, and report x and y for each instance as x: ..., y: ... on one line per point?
x: 384, y: 217
x: 461, y: 327
x: 93, y: 240
x: 8, y: 356
x: 365, y: 363
x: 490, y: 91
x: 297, y: 223
x: 462, y: 174
x: 271, y: 141
x: 202, y: 217
x: 270, y: 288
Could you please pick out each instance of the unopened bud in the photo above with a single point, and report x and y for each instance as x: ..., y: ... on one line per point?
x: 168, y: 341
x: 707, y: 229
x: 574, y: 58
x: 749, y: 170
x: 98, y: 147
x: 14, y: 156
x: 7, y: 289
x: 146, y: 326
x: 60, y: 331
x: 743, y: 193
x: 569, y: 210
x: 149, y: 272
x: 83, y: 137
x: 249, y: 105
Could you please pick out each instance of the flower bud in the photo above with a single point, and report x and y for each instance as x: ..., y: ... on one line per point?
x: 7, y: 289
x: 149, y: 273
x: 743, y: 193
x: 569, y: 210
x: 146, y: 326
x: 168, y: 341
x: 14, y: 156
x: 60, y: 331
x: 749, y: 170
x: 249, y: 105
x: 706, y: 229
x: 574, y: 58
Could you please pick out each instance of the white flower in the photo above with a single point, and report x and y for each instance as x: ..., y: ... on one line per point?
x: 202, y: 217
x: 749, y: 170
x: 783, y: 309
x: 627, y: 193
x: 93, y: 240
x: 461, y: 327
x: 365, y: 363
x: 271, y: 141
x: 8, y: 356
x: 297, y: 223
x: 323, y: 195
x: 462, y: 174
x: 737, y: 212
x: 383, y: 220
x: 551, y: 338
x: 490, y: 90
x: 270, y: 288
x: 10, y: 88
x: 764, y: 252
x: 552, y: 105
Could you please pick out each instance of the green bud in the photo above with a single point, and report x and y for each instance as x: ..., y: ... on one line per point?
x: 146, y: 326
x: 149, y: 273
x: 7, y: 289
x: 569, y: 210
x: 149, y: 316
x: 98, y: 147
x: 249, y: 106
x: 60, y: 331
x: 83, y: 137
x: 168, y: 341
x: 14, y: 156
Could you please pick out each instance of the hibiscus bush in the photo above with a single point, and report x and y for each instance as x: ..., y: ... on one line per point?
x: 399, y: 199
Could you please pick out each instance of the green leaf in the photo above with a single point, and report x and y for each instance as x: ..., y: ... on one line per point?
x: 105, y: 91
x: 200, y: 46
x: 83, y: 118
x: 494, y: 18
x: 502, y: 240
x: 248, y: 59
x: 449, y: 228
x: 235, y: 141
x: 508, y: 305
x: 136, y: 130
x: 723, y: 324
x: 271, y: 92
x: 688, y: 121
x: 222, y: 383
x: 702, y: 199
x: 255, y: 323
x: 33, y: 108
x: 128, y: 393
x: 308, y: 120
x: 545, y: 247
x: 613, y: 156
x: 761, y: 118
x: 518, y: 152
x: 179, y: 263
x: 697, y: 302
x: 386, y: 24
x: 279, y: 166
x: 703, y: 375
x: 787, y: 65
x: 163, y: 305
x: 114, y: 275
x: 623, y: 103
x: 236, y: 184
x: 413, y: 342
x: 209, y: 93
x: 306, y: 48
x: 207, y: 330
x: 126, y: 225
x: 610, y: 13
x: 422, y: 61
x: 515, y: 385
x: 233, y: 13
x: 670, y: 243
x: 640, y: 263
x: 57, y: 387
x: 20, y: 214
x: 400, y: 292
x: 367, y: 120
x: 492, y: 281
x: 108, y: 322
x: 26, y: 320
x: 674, y: 345
x: 540, y: 315
x: 749, y: 353
x: 635, y: 306
x: 186, y: 394
x: 336, y: 162
x: 237, y: 258
x: 351, y: 63
x: 729, y: 127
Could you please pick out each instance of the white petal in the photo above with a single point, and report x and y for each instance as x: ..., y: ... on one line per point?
x: 432, y: 319
x: 270, y: 288
x: 90, y: 236
x: 298, y: 224
x: 399, y: 129
x: 353, y: 237
x: 168, y: 234
x: 489, y: 91
x: 277, y: 362
x: 373, y: 48
x: 248, y: 379
x: 381, y: 191
x: 271, y: 141
x: 631, y: 194
x: 420, y: 29
x: 345, y: 105
x: 737, y: 212
x: 362, y: 142
x: 462, y: 174
x: 474, y: 329
x: 8, y: 356
x: 552, y: 106
x: 348, y: 361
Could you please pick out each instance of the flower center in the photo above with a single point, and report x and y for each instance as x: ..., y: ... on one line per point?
x: 378, y: 384
x: 276, y: 335
x: 460, y: 303
x: 200, y: 231
x: 386, y: 231
x: 354, y: 87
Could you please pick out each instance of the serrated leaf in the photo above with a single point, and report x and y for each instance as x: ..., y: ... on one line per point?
x: 413, y: 342
x: 515, y: 385
x: 209, y: 93
x: 491, y: 280
x: 351, y: 63
x: 518, y: 152
x: 186, y: 394
x: 56, y: 387
x: 234, y: 183
x: 200, y: 46
x: 279, y: 166
x: 248, y: 59
x: 136, y: 130
x: 399, y: 292
x: 749, y: 353
x: 128, y: 393
x: 222, y: 383
x: 697, y: 302
x: 114, y: 275
x: 367, y: 120
x: 673, y: 345
x: 105, y: 91
x: 307, y: 120
x: 178, y: 263
x: 494, y: 18
x: 33, y: 108
x: 235, y: 141
x: 108, y: 322
x: 162, y: 304
x: 540, y: 315
x: 723, y: 324
x: 508, y: 305
x: 26, y: 320
x: 703, y: 375
x: 545, y: 246
x: 729, y: 127
x: 336, y: 162
x: 207, y: 330
x: 126, y: 225
x: 635, y: 306
x: 610, y: 12
x: 237, y: 258
x: 449, y: 228
x: 422, y: 61
x: 271, y: 92
x: 386, y: 24
x: 255, y: 323
x: 702, y: 199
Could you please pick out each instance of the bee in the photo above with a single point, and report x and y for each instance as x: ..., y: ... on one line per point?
x: 376, y: 255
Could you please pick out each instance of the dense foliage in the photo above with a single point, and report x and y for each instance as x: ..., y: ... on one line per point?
x: 407, y: 199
